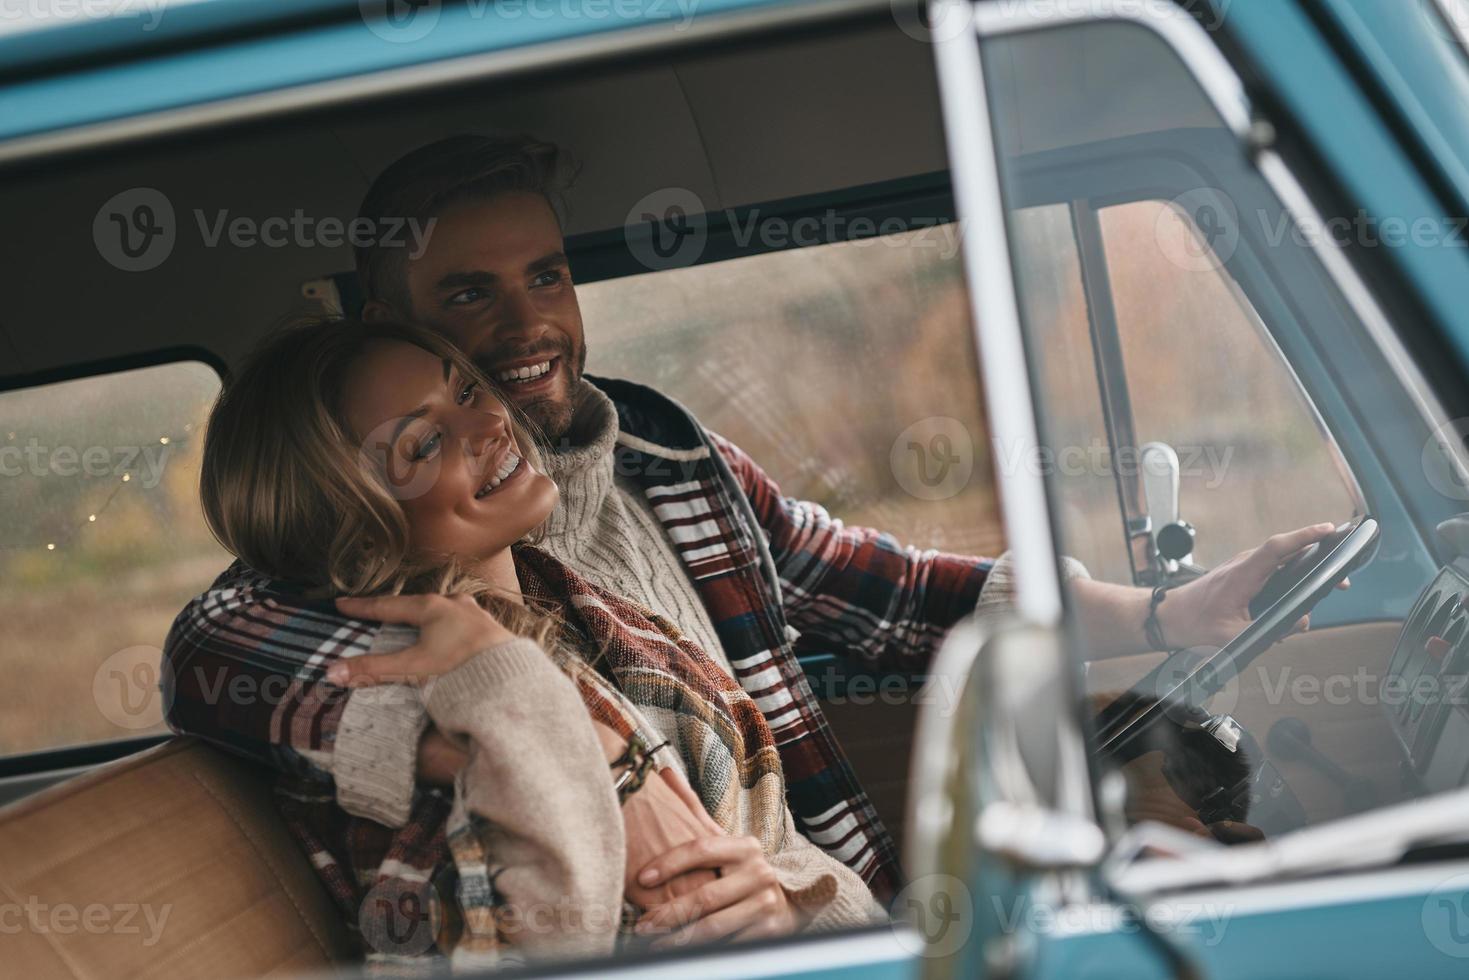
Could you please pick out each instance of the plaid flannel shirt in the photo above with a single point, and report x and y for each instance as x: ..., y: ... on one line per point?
x: 770, y: 570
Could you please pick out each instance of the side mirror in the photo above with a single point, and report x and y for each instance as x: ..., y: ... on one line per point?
x: 1000, y: 794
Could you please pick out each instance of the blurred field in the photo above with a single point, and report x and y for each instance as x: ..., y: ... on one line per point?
x: 85, y: 618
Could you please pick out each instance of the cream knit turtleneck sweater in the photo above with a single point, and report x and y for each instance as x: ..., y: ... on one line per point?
x: 605, y: 527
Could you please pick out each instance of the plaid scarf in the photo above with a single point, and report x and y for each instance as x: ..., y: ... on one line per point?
x: 428, y: 888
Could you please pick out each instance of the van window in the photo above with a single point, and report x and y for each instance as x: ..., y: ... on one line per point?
x: 797, y: 355
x: 102, y: 541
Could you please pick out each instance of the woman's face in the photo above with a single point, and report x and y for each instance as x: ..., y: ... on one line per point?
x: 447, y: 450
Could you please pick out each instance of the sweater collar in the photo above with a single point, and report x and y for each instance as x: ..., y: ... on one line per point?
x: 583, y: 466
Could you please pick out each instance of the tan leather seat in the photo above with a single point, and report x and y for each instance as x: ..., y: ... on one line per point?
x: 167, y: 863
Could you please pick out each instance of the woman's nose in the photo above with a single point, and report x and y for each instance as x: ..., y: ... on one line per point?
x: 490, y: 428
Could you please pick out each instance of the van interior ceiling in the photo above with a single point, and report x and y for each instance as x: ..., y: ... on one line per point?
x: 735, y: 125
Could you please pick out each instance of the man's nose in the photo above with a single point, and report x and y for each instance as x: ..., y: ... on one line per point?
x: 521, y: 321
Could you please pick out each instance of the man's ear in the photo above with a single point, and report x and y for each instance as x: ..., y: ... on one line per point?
x: 377, y: 311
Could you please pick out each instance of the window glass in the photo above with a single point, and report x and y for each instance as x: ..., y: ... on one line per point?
x: 846, y: 371
x: 1203, y: 377
x: 101, y: 543
x: 1055, y: 302
x: 1169, y: 297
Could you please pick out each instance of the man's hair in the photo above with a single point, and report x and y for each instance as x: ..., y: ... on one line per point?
x: 429, y: 180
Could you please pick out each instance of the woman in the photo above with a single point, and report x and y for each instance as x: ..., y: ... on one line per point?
x: 354, y: 460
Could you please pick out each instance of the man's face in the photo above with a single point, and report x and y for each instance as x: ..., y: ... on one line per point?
x: 494, y: 280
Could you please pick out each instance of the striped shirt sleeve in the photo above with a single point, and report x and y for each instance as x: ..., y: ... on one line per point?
x: 854, y: 588
x: 243, y: 668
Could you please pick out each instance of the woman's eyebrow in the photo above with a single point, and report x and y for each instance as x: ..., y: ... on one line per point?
x: 403, y: 421
x: 421, y: 410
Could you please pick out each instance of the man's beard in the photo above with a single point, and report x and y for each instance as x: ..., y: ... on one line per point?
x: 552, y: 417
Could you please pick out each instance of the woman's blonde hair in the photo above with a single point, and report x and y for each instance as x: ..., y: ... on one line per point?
x: 286, y: 486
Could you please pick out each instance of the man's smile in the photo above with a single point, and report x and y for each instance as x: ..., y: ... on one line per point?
x: 528, y: 377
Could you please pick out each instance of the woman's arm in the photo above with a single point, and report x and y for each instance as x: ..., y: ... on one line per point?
x: 537, y: 777
x: 535, y: 780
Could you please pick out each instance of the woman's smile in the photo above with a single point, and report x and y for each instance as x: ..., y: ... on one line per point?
x: 509, y: 466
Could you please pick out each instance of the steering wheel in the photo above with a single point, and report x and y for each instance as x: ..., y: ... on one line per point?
x: 1288, y: 595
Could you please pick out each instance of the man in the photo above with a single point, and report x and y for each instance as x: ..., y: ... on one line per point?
x: 657, y: 508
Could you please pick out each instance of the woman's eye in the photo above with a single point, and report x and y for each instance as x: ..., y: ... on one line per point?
x: 426, y: 448
x: 468, y: 392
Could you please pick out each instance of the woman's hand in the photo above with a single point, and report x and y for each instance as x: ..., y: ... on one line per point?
x: 452, y: 629
x: 746, y: 901
x: 662, y: 814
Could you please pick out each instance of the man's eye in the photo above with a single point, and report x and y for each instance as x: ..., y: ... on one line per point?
x: 466, y: 296
x: 425, y: 449
x: 549, y: 278
x: 468, y: 392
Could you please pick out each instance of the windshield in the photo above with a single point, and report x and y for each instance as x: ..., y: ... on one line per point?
x: 1206, y: 396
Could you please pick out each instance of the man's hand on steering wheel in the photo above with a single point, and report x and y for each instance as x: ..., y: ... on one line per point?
x: 1214, y: 608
